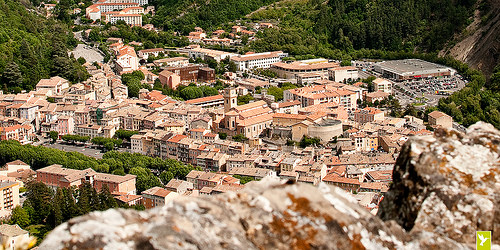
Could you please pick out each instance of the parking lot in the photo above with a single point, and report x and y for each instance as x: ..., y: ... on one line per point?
x: 427, y: 91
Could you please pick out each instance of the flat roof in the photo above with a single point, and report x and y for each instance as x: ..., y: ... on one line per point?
x: 411, y: 67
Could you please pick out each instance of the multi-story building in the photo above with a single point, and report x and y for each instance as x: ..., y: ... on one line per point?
x: 12, y: 236
x: 131, y: 16
x: 212, y: 161
x: 205, y: 54
x: 214, y: 101
x: 56, y: 176
x: 20, y: 133
x: 438, y: 118
x: 56, y: 84
x: 9, y: 195
x: 292, y: 69
x: 368, y: 114
x: 383, y: 85
x: 146, y: 53
x: 348, y: 184
x: 340, y: 74
x: 257, y: 60
x: 179, y: 186
x: 126, y: 60
x: 157, y: 197
x: 13, y: 167
x: 90, y: 130
x: 249, y: 119
x: 365, y: 143
x: 256, y: 173
x: 318, y: 94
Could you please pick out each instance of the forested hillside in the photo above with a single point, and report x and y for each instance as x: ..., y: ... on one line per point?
x: 32, y: 47
x: 184, y: 15
x: 327, y: 28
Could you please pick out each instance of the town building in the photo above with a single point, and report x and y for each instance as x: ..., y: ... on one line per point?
x: 255, y: 173
x: 193, y: 73
x: 157, y: 197
x: 383, y: 85
x: 376, y: 96
x: 169, y: 79
x: 9, y: 195
x: 368, y: 114
x: 56, y: 84
x: 319, y: 94
x: 348, y: 184
x: 407, y: 69
x: 257, y: 60
x: 208, y: 102
x: 126, y: 60
x: 341, y: 74
x: 13, y: 167
x: 146, y: 53
x: 438, y: 118
x: 249, y: 119
x: 13, y: 237
x: 56, y: 176
x: 290, y: 70
x: 205, y: 54
x: 172, y: 62
x: 179, y: 186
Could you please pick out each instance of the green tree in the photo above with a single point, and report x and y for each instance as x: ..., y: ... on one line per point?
x: 12, y: 75
x: 54, y: 135
x: 191, y: 92
x: 81, y: 60
x: 20, y: 217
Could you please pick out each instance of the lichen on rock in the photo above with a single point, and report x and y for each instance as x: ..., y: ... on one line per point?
x: 448, y: 184
x: 438, y: 199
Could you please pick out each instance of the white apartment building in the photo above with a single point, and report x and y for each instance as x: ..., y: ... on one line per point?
x: 383, y: 85
x: 343, y: 73
x: 258, y: 60
x: 202, y: 53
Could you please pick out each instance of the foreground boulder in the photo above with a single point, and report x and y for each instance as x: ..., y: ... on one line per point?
x: 448, y: 184
x: 267, y: 215
x: 444, y: 189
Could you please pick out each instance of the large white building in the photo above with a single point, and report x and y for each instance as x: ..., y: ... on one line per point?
x: 127, y: 60
x: 202, y: 53
x: 383, y: 85
x: 112, y: 11
x: 343, y: 73
x: 258, y: 60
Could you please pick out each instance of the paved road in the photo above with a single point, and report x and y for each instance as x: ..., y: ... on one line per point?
x: 90, y: 54
x: 80, y: 149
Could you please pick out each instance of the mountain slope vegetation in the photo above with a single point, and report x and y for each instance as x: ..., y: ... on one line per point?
x: 33, y: 47
x: 184, y: 15
x: 324, y: 27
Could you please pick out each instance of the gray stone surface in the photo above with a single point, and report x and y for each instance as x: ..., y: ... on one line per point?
x: 448, y: 184
x: 444, y: 189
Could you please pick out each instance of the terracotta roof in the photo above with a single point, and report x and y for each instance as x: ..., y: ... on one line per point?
x: 244, y: 58
x: 437, y: 114
x: 11, y: 230
x: 337, y: 179
x: 205, y: 99
x: 16, y: 162
x: 305, y: 66
x: 288, y: 103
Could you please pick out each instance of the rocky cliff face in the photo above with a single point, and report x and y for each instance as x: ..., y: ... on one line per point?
x: 444, y: 189
x: 479, y: 44
x: 448, y: 184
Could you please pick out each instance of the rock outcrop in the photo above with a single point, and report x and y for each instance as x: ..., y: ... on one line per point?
x: 444, y: 189
x: 448, y: 184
